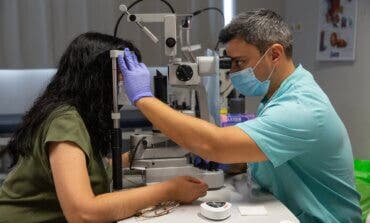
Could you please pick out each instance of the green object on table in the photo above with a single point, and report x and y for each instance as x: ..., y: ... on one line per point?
x: 362, y: 174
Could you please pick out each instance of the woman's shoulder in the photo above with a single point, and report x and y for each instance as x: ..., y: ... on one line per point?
x: 65, y: 110
x: 65, y: 124
x: 65, y: 113
x: 64, y: 120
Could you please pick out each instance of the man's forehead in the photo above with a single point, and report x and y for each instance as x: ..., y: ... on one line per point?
x: 239, y: 48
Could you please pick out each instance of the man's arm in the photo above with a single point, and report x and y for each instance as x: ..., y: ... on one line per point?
x: 225, y: 145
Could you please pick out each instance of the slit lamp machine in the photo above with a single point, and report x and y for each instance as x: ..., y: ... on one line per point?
x: 153, y: 156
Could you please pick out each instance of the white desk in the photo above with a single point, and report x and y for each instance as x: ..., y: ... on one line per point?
x: 235, y: 192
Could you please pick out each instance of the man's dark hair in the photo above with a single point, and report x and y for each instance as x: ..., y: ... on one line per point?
x: 261, y: 28
x: 83, y: 80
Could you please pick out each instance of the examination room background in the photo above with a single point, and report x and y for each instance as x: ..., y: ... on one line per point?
x: 34, y: 33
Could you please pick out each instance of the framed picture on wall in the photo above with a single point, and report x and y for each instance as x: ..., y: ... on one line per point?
x: 337, y: 30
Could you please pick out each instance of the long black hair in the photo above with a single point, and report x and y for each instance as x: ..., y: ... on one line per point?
x: 83, y: 80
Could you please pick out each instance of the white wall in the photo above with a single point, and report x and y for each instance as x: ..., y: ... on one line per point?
x: 34, y: 34
x: 276, y: 5
x: 346, y: 83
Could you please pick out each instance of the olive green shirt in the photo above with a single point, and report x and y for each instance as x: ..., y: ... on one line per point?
x: 28, y: 193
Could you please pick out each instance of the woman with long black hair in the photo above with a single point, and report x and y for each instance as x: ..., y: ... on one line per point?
x: 58, y: 150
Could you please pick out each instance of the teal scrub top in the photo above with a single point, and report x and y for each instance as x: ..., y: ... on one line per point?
x: 310, y: 162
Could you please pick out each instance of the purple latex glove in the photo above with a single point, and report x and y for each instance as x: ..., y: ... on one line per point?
x: 136, y: 77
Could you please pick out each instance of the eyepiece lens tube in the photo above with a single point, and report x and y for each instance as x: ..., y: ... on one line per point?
x: 225, y: 63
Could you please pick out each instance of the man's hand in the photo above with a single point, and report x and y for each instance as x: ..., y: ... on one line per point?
x: 136, y: 77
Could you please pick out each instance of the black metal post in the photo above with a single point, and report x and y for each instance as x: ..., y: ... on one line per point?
x: 116, y: 134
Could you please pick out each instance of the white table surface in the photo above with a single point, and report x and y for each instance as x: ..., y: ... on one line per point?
x: 235, y: 192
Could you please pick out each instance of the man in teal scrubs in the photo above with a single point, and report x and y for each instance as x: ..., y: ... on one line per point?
x: 297, y: 146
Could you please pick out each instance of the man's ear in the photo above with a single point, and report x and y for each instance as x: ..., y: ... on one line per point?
x: 277, y: 51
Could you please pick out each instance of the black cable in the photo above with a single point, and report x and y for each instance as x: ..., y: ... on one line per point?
x: 206, y: 9
x: 132, y: 157
x: 169, y: 5
x: 132, y: 5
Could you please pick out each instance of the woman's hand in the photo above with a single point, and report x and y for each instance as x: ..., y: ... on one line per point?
x: 186, y: 189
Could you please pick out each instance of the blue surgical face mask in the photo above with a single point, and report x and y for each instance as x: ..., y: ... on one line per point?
x: 246, y: 83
